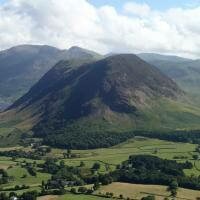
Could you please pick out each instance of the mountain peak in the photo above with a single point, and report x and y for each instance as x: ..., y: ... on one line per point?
x: 76, y: 48
x: 76, y: 52
x: 118, y: 84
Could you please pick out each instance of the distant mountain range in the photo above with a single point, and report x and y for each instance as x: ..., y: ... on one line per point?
x: 22, y: 66
x: 185, y: 72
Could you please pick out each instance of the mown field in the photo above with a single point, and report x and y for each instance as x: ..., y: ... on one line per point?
x: 137, y: 191
x: 108, y: 158
x: 71, y: 197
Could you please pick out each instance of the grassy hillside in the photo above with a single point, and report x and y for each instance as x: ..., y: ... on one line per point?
x: 171, y: 115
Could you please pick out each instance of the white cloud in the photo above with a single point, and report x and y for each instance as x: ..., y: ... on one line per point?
x: 64, y: 23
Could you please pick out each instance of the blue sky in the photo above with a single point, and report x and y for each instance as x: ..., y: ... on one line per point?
x: 155, y: 4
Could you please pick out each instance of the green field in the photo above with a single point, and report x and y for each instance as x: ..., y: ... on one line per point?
x: 109, y: 158
x: 115, y: 155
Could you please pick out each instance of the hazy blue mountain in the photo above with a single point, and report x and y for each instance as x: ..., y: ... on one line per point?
x: 186, y: 72
x: 153, y: 57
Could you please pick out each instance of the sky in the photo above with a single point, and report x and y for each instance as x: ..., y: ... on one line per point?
x: 155, y: 4
x: 121, y: 26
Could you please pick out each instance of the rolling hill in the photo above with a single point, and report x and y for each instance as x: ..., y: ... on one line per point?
x: 22, y: 66
x: 78, y: 98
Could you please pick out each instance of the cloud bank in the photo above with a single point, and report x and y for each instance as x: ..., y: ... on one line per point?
x: 136, y: 28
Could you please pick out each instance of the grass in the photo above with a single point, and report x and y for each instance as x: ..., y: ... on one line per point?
x: 71, y: 197
x: 170, y: 115
x: 9, y: 136
x: 15, y: 170
x: 111, y: 157
x: 137, y: 191
x: 18, y: 173
x: 48, y: 197
x: 80, y: 197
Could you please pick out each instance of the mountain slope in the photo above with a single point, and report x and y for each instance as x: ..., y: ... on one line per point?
x: 117, y: 78
x: 78, y: 98
x: 22, y: 66
x: 185, y: 72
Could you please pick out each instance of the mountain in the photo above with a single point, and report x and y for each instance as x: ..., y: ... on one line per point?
x: 76, y: 52
x: 185, y: 72
x: 22, y: 66
x: 119, y: 93
x: 154, y: 57
x: 114, y: 80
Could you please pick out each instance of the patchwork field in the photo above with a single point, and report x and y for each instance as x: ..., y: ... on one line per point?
x: 108, y: 158
x: 137, y: 191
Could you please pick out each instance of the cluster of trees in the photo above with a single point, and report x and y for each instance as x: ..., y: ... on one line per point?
x: 36, y: 154
x: 32, y: 195
x: 69, y: 154
x: 149, y: 197
x: 198, y: 148
x: 17, y: 187
x: 63, y: 175
x: 31, y: 170
x: 192, y: 136
x: 30, y: 167
x: 86, y: 140
x: 173, y: 187
x: 4, y: 178
x: 147, y: 169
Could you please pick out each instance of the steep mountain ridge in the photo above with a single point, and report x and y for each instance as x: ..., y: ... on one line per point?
x: 22, y: 66
x: 117, y: 84
x: 112, y: 79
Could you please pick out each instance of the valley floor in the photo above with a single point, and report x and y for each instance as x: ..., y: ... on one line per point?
x: 115, y: 155
x: 108, y: 158
x: 132, y: 191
